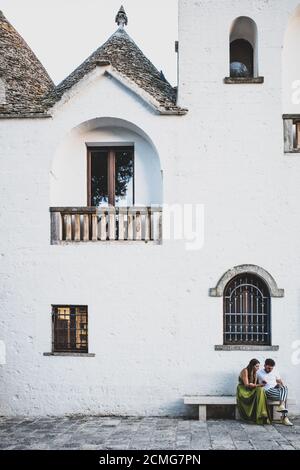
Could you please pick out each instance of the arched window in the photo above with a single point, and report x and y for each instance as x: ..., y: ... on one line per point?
x: 2, y: 92
x: 247, y: 311
x: 243, y: 48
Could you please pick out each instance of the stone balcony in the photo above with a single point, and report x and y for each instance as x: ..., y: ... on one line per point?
x: 105, y: 224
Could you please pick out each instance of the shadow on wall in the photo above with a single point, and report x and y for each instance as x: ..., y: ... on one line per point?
x: 216, y: 383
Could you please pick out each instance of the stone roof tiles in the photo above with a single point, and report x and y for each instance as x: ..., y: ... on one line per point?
x: 24, y: 80
x: 121, y: 52
x: 29, y: 91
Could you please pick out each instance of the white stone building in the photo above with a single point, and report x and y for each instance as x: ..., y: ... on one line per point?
x: 98, y: 315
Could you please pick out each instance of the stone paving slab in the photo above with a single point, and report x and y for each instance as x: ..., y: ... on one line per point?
x: 109, y: 433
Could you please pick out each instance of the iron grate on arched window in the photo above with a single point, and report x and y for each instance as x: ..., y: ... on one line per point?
x: 247, y: 311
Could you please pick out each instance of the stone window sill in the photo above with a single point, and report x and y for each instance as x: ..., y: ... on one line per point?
x: 109, y: 243
x: 244, y: 347
x: 243, y: 80
x: 69, y: 354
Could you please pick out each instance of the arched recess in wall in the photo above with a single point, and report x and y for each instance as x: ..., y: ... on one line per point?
x: 291, y: 65
x: 243, y: 43
x: 68, y: 175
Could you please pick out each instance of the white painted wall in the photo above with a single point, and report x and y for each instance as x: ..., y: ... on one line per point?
x: 249, y: 187
x: 152, y: 325
x: 291, y: 65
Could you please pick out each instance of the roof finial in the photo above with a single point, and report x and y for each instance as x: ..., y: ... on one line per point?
x: 121, y: 18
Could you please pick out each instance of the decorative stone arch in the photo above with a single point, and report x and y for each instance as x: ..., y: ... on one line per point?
x: 218, y: 291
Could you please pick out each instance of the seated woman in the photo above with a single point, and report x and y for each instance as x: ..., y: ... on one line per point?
x: 251, y: 397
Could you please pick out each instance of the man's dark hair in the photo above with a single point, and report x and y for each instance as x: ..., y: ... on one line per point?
x: 270, y: 362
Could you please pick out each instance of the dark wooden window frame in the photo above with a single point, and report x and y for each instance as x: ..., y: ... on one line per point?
x: 248, y: 337
x: 67, y: 350
x: 111, y: 171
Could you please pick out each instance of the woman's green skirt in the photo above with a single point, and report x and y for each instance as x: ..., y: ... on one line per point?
x: 252, y: 404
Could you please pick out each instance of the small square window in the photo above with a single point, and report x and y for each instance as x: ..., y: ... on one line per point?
x: 291, y: 125
x: 70, y: 328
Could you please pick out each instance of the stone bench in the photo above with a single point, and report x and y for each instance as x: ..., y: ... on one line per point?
x: 204, y: 401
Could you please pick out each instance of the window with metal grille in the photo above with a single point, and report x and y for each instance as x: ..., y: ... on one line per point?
x: 70, y: 328
x: 247, y: 311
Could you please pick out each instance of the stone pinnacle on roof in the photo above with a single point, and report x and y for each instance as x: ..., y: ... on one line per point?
x: 121, y: 18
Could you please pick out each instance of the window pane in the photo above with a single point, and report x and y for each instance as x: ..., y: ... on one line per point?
x: 81, y: 328
x: 70, y: 329
x: 61, y: 328
x: 124, y: 177
x: 99, y: 178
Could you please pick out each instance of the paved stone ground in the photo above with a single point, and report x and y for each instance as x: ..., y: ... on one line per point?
x: 104, y: 433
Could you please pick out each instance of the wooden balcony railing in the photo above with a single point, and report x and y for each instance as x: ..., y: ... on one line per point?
x: 92, y: 224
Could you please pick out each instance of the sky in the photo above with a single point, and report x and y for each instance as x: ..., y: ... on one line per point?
x: 63, y: 33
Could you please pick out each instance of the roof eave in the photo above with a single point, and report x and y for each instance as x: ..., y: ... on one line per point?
x: 175, y: 112
x: 110, y: 71
x: 143, y: 94
x: 24, y: 115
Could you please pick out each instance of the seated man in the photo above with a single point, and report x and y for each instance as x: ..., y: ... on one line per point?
x: 274, y: 388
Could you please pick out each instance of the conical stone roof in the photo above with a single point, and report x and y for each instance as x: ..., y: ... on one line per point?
x: 23, y: 78
x: 29, y: 91
x: 121, y: 52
